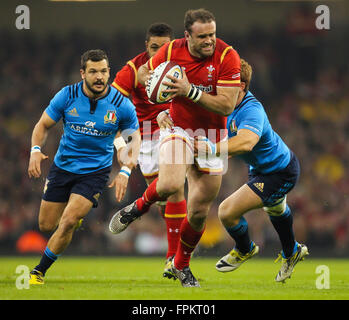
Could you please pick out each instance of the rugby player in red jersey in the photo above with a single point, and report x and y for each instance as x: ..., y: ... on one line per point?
x: 126, y: 81
x: 202, y: 99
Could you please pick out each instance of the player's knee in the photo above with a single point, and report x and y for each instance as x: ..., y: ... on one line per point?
x: 227, y: 216
x: 224, y: 212
x: 46, y: 226
x: 68, y: 223
x: 169, y: 188
x: 277, y: 209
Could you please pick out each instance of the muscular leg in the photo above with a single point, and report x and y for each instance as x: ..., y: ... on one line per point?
x: 172, y: 174
x: 49, y: 215
x: 241, y: 201
x: 203, y: 189
x: 176, y: 197
x: 230, y: 213
x: 173, y: 211
x: 77, y: 208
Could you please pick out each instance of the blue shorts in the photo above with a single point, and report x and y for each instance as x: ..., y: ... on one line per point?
x: 60, y: 184
x: 273, y: 186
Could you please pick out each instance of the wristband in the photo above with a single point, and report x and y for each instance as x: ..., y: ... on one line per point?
x: 35, y: 149
x: 125, y: 171
x: 119, y: 143
x: 194, y: 93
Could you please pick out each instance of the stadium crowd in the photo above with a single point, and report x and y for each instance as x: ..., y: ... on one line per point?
x: 303, y: 84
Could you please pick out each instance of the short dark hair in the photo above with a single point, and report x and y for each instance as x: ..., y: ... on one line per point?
x: 159, y: 29
x: 201, y: 15
x: 93, y: 55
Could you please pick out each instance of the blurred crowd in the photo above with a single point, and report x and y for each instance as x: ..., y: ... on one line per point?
x: 299, y: 76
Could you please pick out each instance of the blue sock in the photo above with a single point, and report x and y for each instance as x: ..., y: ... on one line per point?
x: 283, y: 225
x: 46, y: 260
x: 240, y: 234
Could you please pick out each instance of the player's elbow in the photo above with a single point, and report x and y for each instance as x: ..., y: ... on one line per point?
x: 247, y: 146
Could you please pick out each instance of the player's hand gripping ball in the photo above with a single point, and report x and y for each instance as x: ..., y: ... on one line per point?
x: 155, y: 87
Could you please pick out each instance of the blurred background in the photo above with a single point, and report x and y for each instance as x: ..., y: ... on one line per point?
x: 300, y: 75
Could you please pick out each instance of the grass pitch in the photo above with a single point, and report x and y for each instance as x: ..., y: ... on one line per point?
x: 95, y: 278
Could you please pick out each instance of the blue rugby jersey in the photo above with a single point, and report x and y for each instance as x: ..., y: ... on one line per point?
x: 271, y: 153
x: 87, y: 141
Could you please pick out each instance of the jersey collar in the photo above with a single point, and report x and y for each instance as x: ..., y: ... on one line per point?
x: 248, y: 96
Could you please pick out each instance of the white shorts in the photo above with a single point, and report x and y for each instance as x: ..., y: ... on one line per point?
x: 210, y: 164
x: 148, y: 159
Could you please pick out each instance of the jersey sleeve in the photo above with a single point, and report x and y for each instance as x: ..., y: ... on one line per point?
x: 252, y: 119
x: 159, y: 57
x: 229, y: 75
x: 128, y: 118
x: 55, y: 109
x: 126, y: 79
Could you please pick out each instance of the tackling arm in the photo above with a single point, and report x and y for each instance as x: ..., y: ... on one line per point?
x: 243, y: 142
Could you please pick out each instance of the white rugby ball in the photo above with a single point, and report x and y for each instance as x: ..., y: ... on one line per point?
x: 155, y: 87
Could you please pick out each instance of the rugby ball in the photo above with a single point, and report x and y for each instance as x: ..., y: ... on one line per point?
x: 155, y: 87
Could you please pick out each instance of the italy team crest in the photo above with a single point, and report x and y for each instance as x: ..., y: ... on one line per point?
x: 233, y: 127
x: 110, y: 117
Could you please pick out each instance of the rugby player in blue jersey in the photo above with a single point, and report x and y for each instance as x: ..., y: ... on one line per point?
x: 92, y: 113
x: 273, y: 172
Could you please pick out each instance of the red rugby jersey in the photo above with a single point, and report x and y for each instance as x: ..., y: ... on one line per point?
x: 222, y: 69
x: 126, y: 81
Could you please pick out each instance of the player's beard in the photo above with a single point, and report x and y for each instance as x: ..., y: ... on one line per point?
x: 203, y: 53
x: 94, y: 91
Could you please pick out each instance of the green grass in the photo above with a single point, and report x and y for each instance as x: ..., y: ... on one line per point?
x: 96, y: 278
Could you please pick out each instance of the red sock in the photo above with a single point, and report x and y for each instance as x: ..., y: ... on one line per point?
x: 149, y: 196
x: 189, y: 238
x: 175, y: 212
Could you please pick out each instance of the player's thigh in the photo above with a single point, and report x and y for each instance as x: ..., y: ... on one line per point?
x: 50, y: 214
x: 77, y: 208
x: 203, y: 189
x: 240, y: 202
x: 171, y: 178
x: 172, y: 166
x: 176, y: 151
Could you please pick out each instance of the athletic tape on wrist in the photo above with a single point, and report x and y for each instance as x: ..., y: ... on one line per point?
x: 194, y: 93
x: 35, y: 149
x: 125, y: 171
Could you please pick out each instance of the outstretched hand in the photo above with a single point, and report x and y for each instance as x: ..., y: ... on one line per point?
x: 34, y: 168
